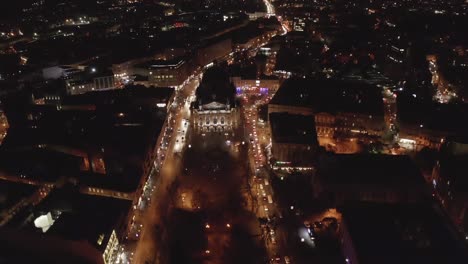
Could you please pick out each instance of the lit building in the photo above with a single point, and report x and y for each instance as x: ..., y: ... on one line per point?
x: 96, y: 83
x: 166, y: 73
x: 215, y: 109
x: 263, y: 85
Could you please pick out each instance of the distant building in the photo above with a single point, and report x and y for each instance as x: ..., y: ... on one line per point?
x: 215, y: 109
x: 256, y: 15
x: 417, y: 233
x: 251, y: 36
x: 166, y: 73
x: 262, y: 85
x: 367, y: 177
x: 89, y: 83
x: 293, y: 141
x: 427, y: 124
x: 397, y: 58
x: 57, y: 72
x: 124, y: 68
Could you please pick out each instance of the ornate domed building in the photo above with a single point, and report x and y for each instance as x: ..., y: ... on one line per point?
x: 215, y: 109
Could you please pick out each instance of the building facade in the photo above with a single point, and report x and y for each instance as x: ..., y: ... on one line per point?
x: 215, y: 117
x: 215, y: 109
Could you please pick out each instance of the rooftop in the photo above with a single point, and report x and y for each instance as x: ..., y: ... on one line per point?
x: 12, y: 193
x: 216, y: 86
x: 131, y: 95
x: 329, y: 95
x: 156, y: 64
x: 94, y: 215
x: 76, y: 217
x: 401, y: 234
x: 369, y: 169
x: 449, y: 118
x: 112, y: 128
x: 454, y: 169
x: 293, y: 129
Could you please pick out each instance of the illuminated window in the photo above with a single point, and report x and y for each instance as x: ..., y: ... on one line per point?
x: 100, y: 239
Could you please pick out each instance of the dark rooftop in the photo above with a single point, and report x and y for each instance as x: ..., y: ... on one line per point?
x: 455, y: 170
x: 12, y: 193
x: 77, y: 217
x: 329, y: 95
x: 401, y: 234
x: 155, y: 64
x: 216, y: 86
x: 132, y: 95
x: 369, y: 169
x: 38, y: 164
x: 84, y: 217
x: 47, y: 142
x: 450, y: 118
x: 294, y: 129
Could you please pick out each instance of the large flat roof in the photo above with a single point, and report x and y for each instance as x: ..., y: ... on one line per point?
x: 369, y: 169
x: 84, y: 217
x: 77, y: 217
x: 454, y: 169
x: 388, y: 234
x: 13, y: 192
x: 294, y: 129
x: 330, y: 95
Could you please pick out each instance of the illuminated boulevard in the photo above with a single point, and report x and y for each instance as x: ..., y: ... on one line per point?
x: 146, y: 251
x: 202, y: 192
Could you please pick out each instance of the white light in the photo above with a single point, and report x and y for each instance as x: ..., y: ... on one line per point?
x: 93, y: 69
x: 302, y: 239
x: 44, y: 222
